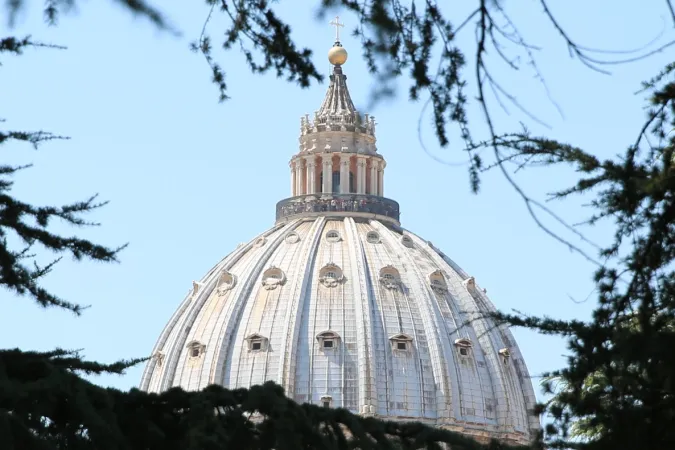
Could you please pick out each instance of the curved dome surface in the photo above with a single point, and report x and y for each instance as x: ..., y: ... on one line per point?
x: 355, y: 313
x: 344, y: 308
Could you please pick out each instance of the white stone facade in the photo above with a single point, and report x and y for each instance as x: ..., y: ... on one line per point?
x: 395, y: 312
x: 344, y: 308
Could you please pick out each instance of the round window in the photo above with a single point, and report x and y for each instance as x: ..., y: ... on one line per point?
x: 292, y: 238
x: 373, y: 237
x: 332, y: 236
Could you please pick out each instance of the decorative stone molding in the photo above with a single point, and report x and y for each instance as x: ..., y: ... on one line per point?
x: 328, y: 340
x: 273, y: 277
x: 292, y: 238
x: 260, y: 242
x: 505, y: 354
x: 437, y: 282
x: 256, y: 342
x: 463, y: 346
x: 401, y: 342
x: 326, y: 401
x: 373, y: 237
x: 331, y: 275
x: 195, y: 349
x: 407, y: 241
x: 390, y: 278
x: 333, y: 236
x: 226, y: 281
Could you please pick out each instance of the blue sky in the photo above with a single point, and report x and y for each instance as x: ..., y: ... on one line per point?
x: 188, y: 178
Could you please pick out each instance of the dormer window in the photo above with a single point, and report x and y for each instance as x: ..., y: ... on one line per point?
x: 330, y: 275
x: 400, y: 342
x: 195, y: 349
x: 292, y: 237
x: 407, y: 241
x: 326, y: 401
x: 389, y: 277
x: 256, y: 342
x: 328, y: 340
x: 260, y: 242
x: 437, y: 282
x: 332, y: 236
x: 226, y: 282
x: 273, y: 277
x: 463, y: 346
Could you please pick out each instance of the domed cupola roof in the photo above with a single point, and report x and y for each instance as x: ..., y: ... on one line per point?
x: 343, y: 307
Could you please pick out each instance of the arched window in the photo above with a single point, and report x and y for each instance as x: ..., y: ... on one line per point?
x: 226, y: 282
x: 273, y: 277
x: 390, y: 277
x: 437, y: 281
x: 330, y: 275
x: 195, y: 349
x: 407, y: 241
x: 373, y: 237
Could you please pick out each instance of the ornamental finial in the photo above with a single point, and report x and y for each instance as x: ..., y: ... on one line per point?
x: 336, y: 23
x: 337, y: 55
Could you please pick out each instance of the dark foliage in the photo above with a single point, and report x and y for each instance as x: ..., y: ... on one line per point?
x: 619, y: 381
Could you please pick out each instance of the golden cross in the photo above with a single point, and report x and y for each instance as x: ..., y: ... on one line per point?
x: 336, y: 23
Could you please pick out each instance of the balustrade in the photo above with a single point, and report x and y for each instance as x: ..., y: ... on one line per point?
x: 314, y: 205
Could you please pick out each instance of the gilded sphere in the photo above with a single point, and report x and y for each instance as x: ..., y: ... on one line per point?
x: 337, y: 56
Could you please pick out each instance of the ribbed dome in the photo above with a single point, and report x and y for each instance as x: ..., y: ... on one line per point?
x: 352, y: 313
x: 342, y: 307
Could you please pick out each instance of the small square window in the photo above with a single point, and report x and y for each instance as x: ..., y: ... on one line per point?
x: 194, y: 352
x: 463, y: 351
x: 326, y: 404
x: 401, y: 346
x: 328, y: 344
x: 256, y: 345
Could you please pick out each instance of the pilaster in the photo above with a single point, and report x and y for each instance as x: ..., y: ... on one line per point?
x: 344, y: 173
x: 310, y: 177
x: 374, y: 163
x: 292, y: 166
x: 327, y: 170
x: 299, y: 188
x: 360, y: 174
x: 380, y: 178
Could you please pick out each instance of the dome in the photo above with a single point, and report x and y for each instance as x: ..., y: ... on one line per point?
x: 355, y: 313
x: 343, y: 307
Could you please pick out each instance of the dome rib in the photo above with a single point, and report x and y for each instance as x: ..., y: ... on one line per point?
x: 431, y: 322
x: 228, y: 350
x: 298, y: 296
x: 364, y: 319
x: 427, y: 380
